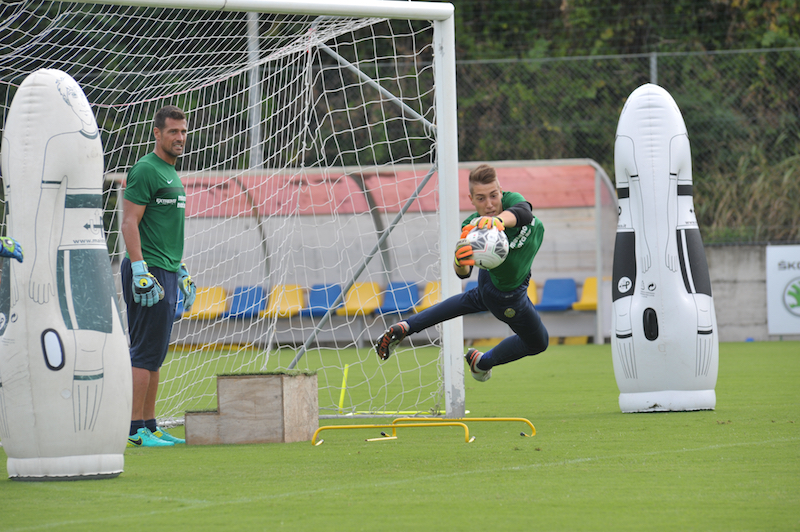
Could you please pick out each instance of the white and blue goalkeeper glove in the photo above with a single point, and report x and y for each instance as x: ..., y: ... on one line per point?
x: 10, y: 248
x: 187, y: 287
x: 146, y: 288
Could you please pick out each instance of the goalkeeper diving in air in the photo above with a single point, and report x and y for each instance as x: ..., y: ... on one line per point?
x: 503, y: 291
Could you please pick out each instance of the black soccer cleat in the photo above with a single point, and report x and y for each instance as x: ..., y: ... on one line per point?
x: 388, y: 340
x: 472, y: 357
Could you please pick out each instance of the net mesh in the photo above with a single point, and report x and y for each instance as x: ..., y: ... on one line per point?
x: 307, y: 137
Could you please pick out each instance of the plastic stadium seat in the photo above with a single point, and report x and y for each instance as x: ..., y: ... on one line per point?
x: 362, y: 298
x: 558, y: 294
x: 285, y: 300
x: 399, y: 297
x: 209, y: 303
x: 588, y: 300
x: 246, y: 302
x: 431, y: 294
x: 532, y: 294
x: 470, y: 285
x: 320, y: 298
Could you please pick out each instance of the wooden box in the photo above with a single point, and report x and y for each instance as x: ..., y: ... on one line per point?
x: 262, y: 408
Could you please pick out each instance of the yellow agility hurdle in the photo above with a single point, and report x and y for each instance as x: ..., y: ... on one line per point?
x: 394, y: 427
x: 402, y: 420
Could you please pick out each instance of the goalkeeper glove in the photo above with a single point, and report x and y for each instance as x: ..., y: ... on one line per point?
x: 146, y: 288
x: 10, y: 248
x: 187, y: 286
x: 487, y: 222
x: 464, y: 254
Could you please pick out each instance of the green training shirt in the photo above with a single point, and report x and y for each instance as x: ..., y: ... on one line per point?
x: 523, y: 244
x: 154, y: 183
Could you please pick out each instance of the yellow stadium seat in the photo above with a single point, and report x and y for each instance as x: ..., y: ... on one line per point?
x: 534, y: 297
x: 588, y: 300
x: 208, y: 304
x: 431, y: 295
x: 285, y: 300
x: 362, y: 298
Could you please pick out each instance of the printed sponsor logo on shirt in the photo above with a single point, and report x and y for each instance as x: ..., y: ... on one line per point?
x: 166, y: 201
x: 520, y: 239
x: 181, y: 202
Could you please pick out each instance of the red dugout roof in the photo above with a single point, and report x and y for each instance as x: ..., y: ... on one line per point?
x: 336, y: 191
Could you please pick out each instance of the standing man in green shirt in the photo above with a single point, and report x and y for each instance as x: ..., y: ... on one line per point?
x: 503, y: 290
x: 152, y: 272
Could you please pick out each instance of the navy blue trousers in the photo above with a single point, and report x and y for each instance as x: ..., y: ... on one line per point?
x: 513, y: 308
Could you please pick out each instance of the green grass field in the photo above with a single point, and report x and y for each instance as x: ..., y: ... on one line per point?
x: 589, y: 467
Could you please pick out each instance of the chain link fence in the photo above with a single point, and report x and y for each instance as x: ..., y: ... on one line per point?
x: 741, y: 108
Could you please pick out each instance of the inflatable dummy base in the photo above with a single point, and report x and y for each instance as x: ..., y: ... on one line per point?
x: 668, y: 401
x: 66, y: 467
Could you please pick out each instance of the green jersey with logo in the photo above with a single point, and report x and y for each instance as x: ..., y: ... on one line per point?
x: 523, y: 244
x: 154, y: 183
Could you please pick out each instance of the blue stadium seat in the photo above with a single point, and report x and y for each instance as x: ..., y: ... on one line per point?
x: 399, y: 297
x: 246, y: 302
x: 320, y: 298
x: 470, y: 285
x: 558, y: 294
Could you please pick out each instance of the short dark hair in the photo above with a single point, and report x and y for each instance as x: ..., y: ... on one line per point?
x: 168, y: 111
x: 482, y: 175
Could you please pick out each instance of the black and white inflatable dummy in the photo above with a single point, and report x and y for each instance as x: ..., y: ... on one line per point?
x: 665, y: 343
x: 65, y: 376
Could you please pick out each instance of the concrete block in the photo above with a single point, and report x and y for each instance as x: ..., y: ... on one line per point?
x: 258, y: 409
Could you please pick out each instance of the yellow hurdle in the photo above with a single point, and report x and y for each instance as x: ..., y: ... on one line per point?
x: 403, y: 420
x: 434, y: 423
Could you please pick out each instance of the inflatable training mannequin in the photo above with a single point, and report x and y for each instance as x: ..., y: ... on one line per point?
x: 665, y: 346
x: 65, y: 371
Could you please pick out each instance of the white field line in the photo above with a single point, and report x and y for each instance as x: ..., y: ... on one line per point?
x: 193, y: 504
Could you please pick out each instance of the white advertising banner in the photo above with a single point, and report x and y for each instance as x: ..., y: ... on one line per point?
x: 783, y: 289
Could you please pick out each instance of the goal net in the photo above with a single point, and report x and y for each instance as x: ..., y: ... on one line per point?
x: 320, y: 142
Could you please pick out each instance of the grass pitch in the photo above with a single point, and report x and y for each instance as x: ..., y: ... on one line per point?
x: 589, y: 467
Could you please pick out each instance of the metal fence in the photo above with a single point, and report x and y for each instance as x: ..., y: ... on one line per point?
x: 741, y: 108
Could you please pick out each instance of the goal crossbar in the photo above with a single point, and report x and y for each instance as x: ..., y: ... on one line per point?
x: 344, y: 8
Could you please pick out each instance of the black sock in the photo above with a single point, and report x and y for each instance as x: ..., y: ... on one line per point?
x: 136, y: 424
x: 151, y: 425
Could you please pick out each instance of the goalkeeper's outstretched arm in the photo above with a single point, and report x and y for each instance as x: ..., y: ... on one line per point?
x: 518, y: 214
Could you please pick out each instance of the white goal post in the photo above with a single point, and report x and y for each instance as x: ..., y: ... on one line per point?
x: 322, y: 150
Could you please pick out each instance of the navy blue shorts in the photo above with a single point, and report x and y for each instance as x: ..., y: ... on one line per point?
x: 513, y: 308
x: 149, y: 328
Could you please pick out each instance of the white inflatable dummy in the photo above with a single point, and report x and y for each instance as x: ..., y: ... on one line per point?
x: 665, y: 346
x: 65, y: 376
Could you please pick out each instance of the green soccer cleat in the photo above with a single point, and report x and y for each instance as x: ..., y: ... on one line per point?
x: 145, y: 438
x: 163, y: 435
